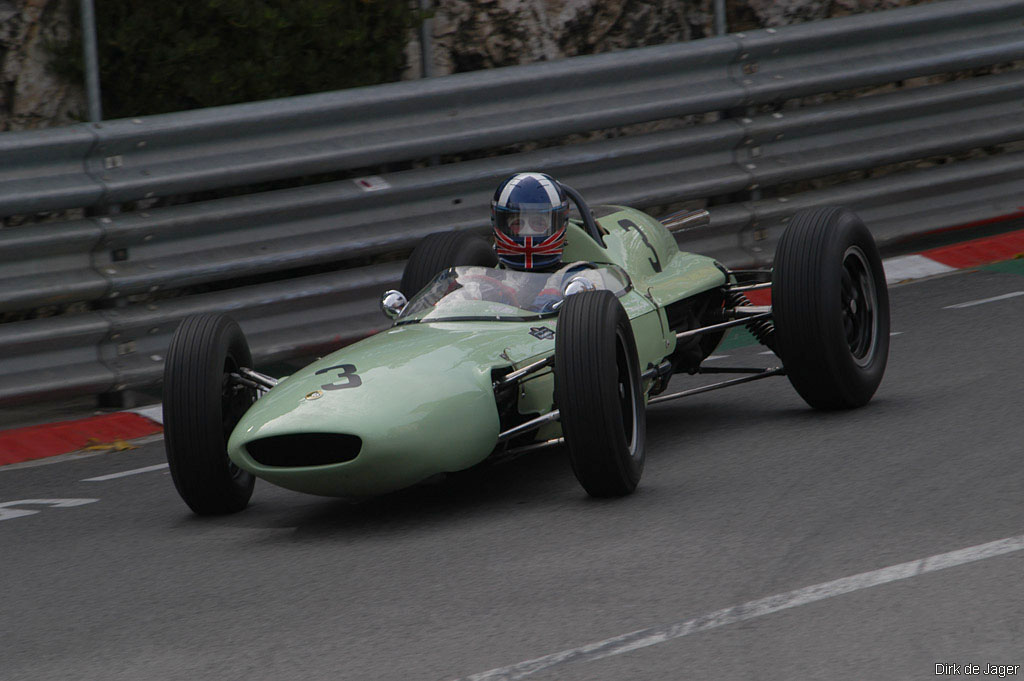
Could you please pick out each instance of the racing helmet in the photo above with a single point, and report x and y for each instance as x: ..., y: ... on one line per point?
x: 529, y: 213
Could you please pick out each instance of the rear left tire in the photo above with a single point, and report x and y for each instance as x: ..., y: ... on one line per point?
x: 437, y: 252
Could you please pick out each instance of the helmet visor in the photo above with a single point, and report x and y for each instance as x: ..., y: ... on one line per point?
x: 535, y: 220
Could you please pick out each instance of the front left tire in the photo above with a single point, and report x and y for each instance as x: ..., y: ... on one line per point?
x: 598, y: 393
x: 202, y: 405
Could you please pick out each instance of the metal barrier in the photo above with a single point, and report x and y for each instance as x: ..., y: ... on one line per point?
x: 221, y: 243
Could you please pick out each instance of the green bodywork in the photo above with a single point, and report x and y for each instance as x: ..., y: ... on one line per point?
x: 423, y: 401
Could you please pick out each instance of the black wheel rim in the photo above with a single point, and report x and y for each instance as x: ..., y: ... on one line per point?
x: 235, y: 400
x: 626, y: 392
x: 859, y: 302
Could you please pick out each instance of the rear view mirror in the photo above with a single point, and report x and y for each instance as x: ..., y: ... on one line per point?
x: 392, y: 303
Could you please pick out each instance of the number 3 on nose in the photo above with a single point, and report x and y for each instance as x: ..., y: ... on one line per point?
x: 348, y: 372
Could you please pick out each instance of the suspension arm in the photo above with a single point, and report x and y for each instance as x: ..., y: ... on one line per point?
x: 682, y: 335
x: 777, y: 371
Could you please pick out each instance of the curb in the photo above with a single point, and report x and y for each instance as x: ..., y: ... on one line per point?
x: 960, y: 256
x: 941, y: 260
x: 108, y: 431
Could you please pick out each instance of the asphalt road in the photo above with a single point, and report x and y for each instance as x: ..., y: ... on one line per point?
x: 748, y: 499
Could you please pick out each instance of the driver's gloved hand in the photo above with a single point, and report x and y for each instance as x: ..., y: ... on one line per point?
x: 546, y: 300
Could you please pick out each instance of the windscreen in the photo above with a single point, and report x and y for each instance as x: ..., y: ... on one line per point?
x: 487, y: 293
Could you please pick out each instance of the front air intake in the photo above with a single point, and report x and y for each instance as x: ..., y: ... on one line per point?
x: 304, y: 449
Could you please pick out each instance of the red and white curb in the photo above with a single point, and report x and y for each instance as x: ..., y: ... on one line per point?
x: 942, y: 260
x: 956, y: 257
x: 910, y: 267
x: 154, y: 413
x: 102, y: 432
x: 36, y: 442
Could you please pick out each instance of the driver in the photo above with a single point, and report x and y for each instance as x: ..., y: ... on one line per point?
x: 529, y: 214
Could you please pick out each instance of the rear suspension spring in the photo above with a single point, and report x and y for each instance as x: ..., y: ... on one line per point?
x: 762, y: 329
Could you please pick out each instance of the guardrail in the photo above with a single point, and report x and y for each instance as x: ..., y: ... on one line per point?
x: 227, y: 242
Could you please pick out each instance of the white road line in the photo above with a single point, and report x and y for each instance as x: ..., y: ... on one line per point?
x: 758, y: 608
x: 984, y: 300
x: 7, y: 513
x: 124, y: 474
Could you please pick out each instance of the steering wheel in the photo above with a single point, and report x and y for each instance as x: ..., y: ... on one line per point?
x: 589, y: 224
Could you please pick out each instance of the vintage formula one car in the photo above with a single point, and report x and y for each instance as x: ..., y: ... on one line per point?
x: 482, y: 364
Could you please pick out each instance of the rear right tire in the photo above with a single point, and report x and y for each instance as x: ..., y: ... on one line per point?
x: 831, y: 308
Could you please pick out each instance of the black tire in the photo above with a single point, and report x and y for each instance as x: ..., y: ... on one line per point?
x: 441, y: 250
x: 201, y: 408
x: 831, y: 308
x: 598, y: 392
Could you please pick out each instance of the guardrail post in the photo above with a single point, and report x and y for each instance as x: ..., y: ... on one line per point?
x: 92, y: 67
x: 426, y: 42
x: 721, y: 26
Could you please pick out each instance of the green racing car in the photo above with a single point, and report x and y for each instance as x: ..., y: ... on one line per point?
x: 524, y: 359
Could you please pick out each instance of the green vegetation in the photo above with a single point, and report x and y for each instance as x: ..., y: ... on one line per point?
x: 158, y: 57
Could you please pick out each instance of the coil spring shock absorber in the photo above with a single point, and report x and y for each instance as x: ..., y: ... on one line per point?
x: 762, y: 329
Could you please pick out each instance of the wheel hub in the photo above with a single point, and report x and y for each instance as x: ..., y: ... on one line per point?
x: 859, y: 305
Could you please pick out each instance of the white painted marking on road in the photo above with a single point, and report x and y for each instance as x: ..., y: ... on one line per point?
x: 912, y: 267
x: 711, y: 357
x: 972, y: 303
x: 752, y: 609
x: 896, y: 333
x: 124, y: 474
x: 7, y: 513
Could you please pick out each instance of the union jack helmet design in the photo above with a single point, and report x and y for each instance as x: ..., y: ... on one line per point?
x: 529, y: 213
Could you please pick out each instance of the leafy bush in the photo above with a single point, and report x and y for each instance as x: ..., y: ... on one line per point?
x: 158, y: 57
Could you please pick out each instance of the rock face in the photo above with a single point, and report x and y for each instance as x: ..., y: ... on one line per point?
x: 475, y: 34
x: 771, y: 13
x: 467, y: 35
x: 31, y: 95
